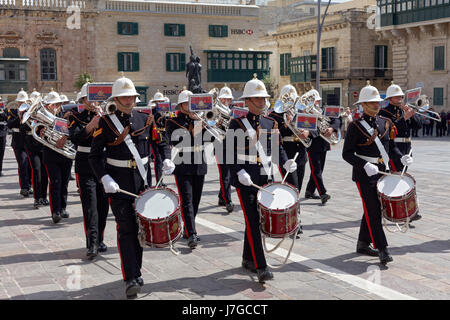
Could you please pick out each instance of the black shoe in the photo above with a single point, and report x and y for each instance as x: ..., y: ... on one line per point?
x: 1, y: 174
x: 230, y: 207
x: 300, y: 231
x: 248, y: 265
x: 25, y: 193
x: 192, y: 241
x: 385, y: 257
x: 415, y: 218
x: 43, y: 202
x: 185, y: 235
x: 264, y: 274
x: 56, y: 217
x: 140, y: 281
x: 309, y: 195
x: 132, y: 289
x: 221, y: 203
x: 64, y: 213
x: 92, y: 252
x: 365, y: 248
x: 36, y: 204
x: 30, y: 191
x: 102, y: 247
x: 324, y: 198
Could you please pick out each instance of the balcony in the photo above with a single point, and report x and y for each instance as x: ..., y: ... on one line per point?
x: 343, y: 74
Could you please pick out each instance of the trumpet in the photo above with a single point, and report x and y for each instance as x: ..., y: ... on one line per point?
x: 37, y: 116
x: 288, y: 103
x: 221, y: 114
x: 323, y: 122
x: 422, y: 105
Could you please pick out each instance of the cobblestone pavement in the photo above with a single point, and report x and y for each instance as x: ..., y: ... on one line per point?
x: 41, y: 260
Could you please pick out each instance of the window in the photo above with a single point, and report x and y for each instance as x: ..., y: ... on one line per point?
x: 218, y: 31
x: 174, y: 30
x: 128, y: 61
x: 381, y: 57
x: 439, y: 58
x: 142, y: 96
x: 48, y: 64
x: 284, y: 64
x: 176, y: 62
x: 127, y: 28
x: 328, y: 58
x: 11, y: 53
x: 438, y: 96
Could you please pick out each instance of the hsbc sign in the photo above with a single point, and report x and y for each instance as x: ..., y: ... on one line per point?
x: 248, y: 32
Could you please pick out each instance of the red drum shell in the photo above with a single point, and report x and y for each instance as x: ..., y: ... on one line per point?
x: 157, y: 231
x: 398, y: 209
x: 284, y: 222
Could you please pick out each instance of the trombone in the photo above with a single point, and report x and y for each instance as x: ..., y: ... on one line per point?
x: 422, y: 105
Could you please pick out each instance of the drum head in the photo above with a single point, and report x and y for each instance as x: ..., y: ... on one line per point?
x: 395, y: 186
x: 284, y: 198
x: 156, y: 204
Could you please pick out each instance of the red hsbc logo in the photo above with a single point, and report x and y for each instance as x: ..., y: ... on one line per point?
x: 242, y: 31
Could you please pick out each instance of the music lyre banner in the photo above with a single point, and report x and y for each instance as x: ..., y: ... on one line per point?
x: 237, y: 104
x: 146, y: 110
x: 81, y: 108
x: 200, y: 102
x: 60, y: 125
x: 163, y: 107
x: 2, y: 105
x: 332, y: 111
x: 412, y: 95
x: 239, y: 112
x: 307, y: 121
x: 99, y: 92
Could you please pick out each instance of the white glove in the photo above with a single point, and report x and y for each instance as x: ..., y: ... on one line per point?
x: 244, y: 178
x: 109, y: 184
x: 407, y: 160
x: 168, y: 167
x: 290, y: 165
x: 371, y: 169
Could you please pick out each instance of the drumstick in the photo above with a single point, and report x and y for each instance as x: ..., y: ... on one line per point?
x: 262, y: 189
x: 160, y: 179
x: 285, y: 176
x: 128, y: 193
x: 387, y: 173
x: 404, y: 168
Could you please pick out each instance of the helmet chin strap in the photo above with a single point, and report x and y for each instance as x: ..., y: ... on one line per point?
x: 123, y: 108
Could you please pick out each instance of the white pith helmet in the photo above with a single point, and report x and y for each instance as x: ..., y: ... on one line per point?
x: 394, y: 91
x: 53, y: 97
x: 184, y: 96
x: 369, y: 94
x: 255, y: 89
x: 123, y: 87
x: 225, y: 93
x: 34, y: 94
x: 22, y: 96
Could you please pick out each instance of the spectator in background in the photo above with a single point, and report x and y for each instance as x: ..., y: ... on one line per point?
x: 443, y: 124
x: 431, y: 123
x: 448, y: 124
x: 415, y: 125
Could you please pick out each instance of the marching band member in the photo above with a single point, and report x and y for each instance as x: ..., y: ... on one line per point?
x: 18, y: 144
x: 124, y: 162
x: 190, y: 170
x: 225, y: 97
x: 35, y: 155
x: 57, y: 166
x: 399, y: 114
x: 365, y: 148
x: 291, y: 143
x: 3, y: 133
x: 317, y: 154
x: 160, y: 126
x: 248, y: 170
x: 94, y: 201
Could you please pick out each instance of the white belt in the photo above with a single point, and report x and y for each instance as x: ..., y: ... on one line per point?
x: 29, y: 133
x: 84, y: 149
x: 370, y: 159
x: 125, y: 163
x: 192, y: 149
x: 404, y: 140
x: 4, y: 123
x: 251, y: 158
x: 290, y: 139
x: 15, y: 130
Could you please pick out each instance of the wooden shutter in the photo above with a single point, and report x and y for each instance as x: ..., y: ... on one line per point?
x: 119, y: 27
x: 385, y: 52
x: 120, y: 61
x: 166, y: 29
x: 224, y: 31
x: 439, y: 62
x: 135, y: 29
x: 182, y: 30
x: 324, y: 58
x: 438, y: 96
x: 168, y: 62
x: 182, y: 62
x: 211, y: 30
x: 135, y: 61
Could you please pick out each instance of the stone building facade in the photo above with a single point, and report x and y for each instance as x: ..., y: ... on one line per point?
x: 39, y: 50
x: 419, y: 33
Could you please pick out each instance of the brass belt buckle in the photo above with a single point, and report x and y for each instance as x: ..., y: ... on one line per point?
x: 197, y: 148
x: 132, y: 164
x: 380, y: 160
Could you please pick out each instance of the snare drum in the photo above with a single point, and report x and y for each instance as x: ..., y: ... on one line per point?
x: 279, y: 212
x: 159, y: 217
x: 398, y: 197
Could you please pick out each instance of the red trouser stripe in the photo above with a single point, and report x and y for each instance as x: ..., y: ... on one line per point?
x: 49, y: 190
x: 120, y: 253
x: 221, y: 182
x: 366, y: 215
x: 247, y: 228
x: 312, y: 172
x: 154, y: 163
x: 392, y: 165
x: 181, y: 206
x: 32, y: 176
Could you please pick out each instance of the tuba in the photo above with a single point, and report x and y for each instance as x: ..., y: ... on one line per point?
x: 221, y: 113
x: 421, y: 108
x: 323, y: 122
x: 289, y: 104
x: 37, y: 116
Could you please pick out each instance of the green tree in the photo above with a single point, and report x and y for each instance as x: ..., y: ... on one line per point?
x: 81, y: 80
x: 270, y: 84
